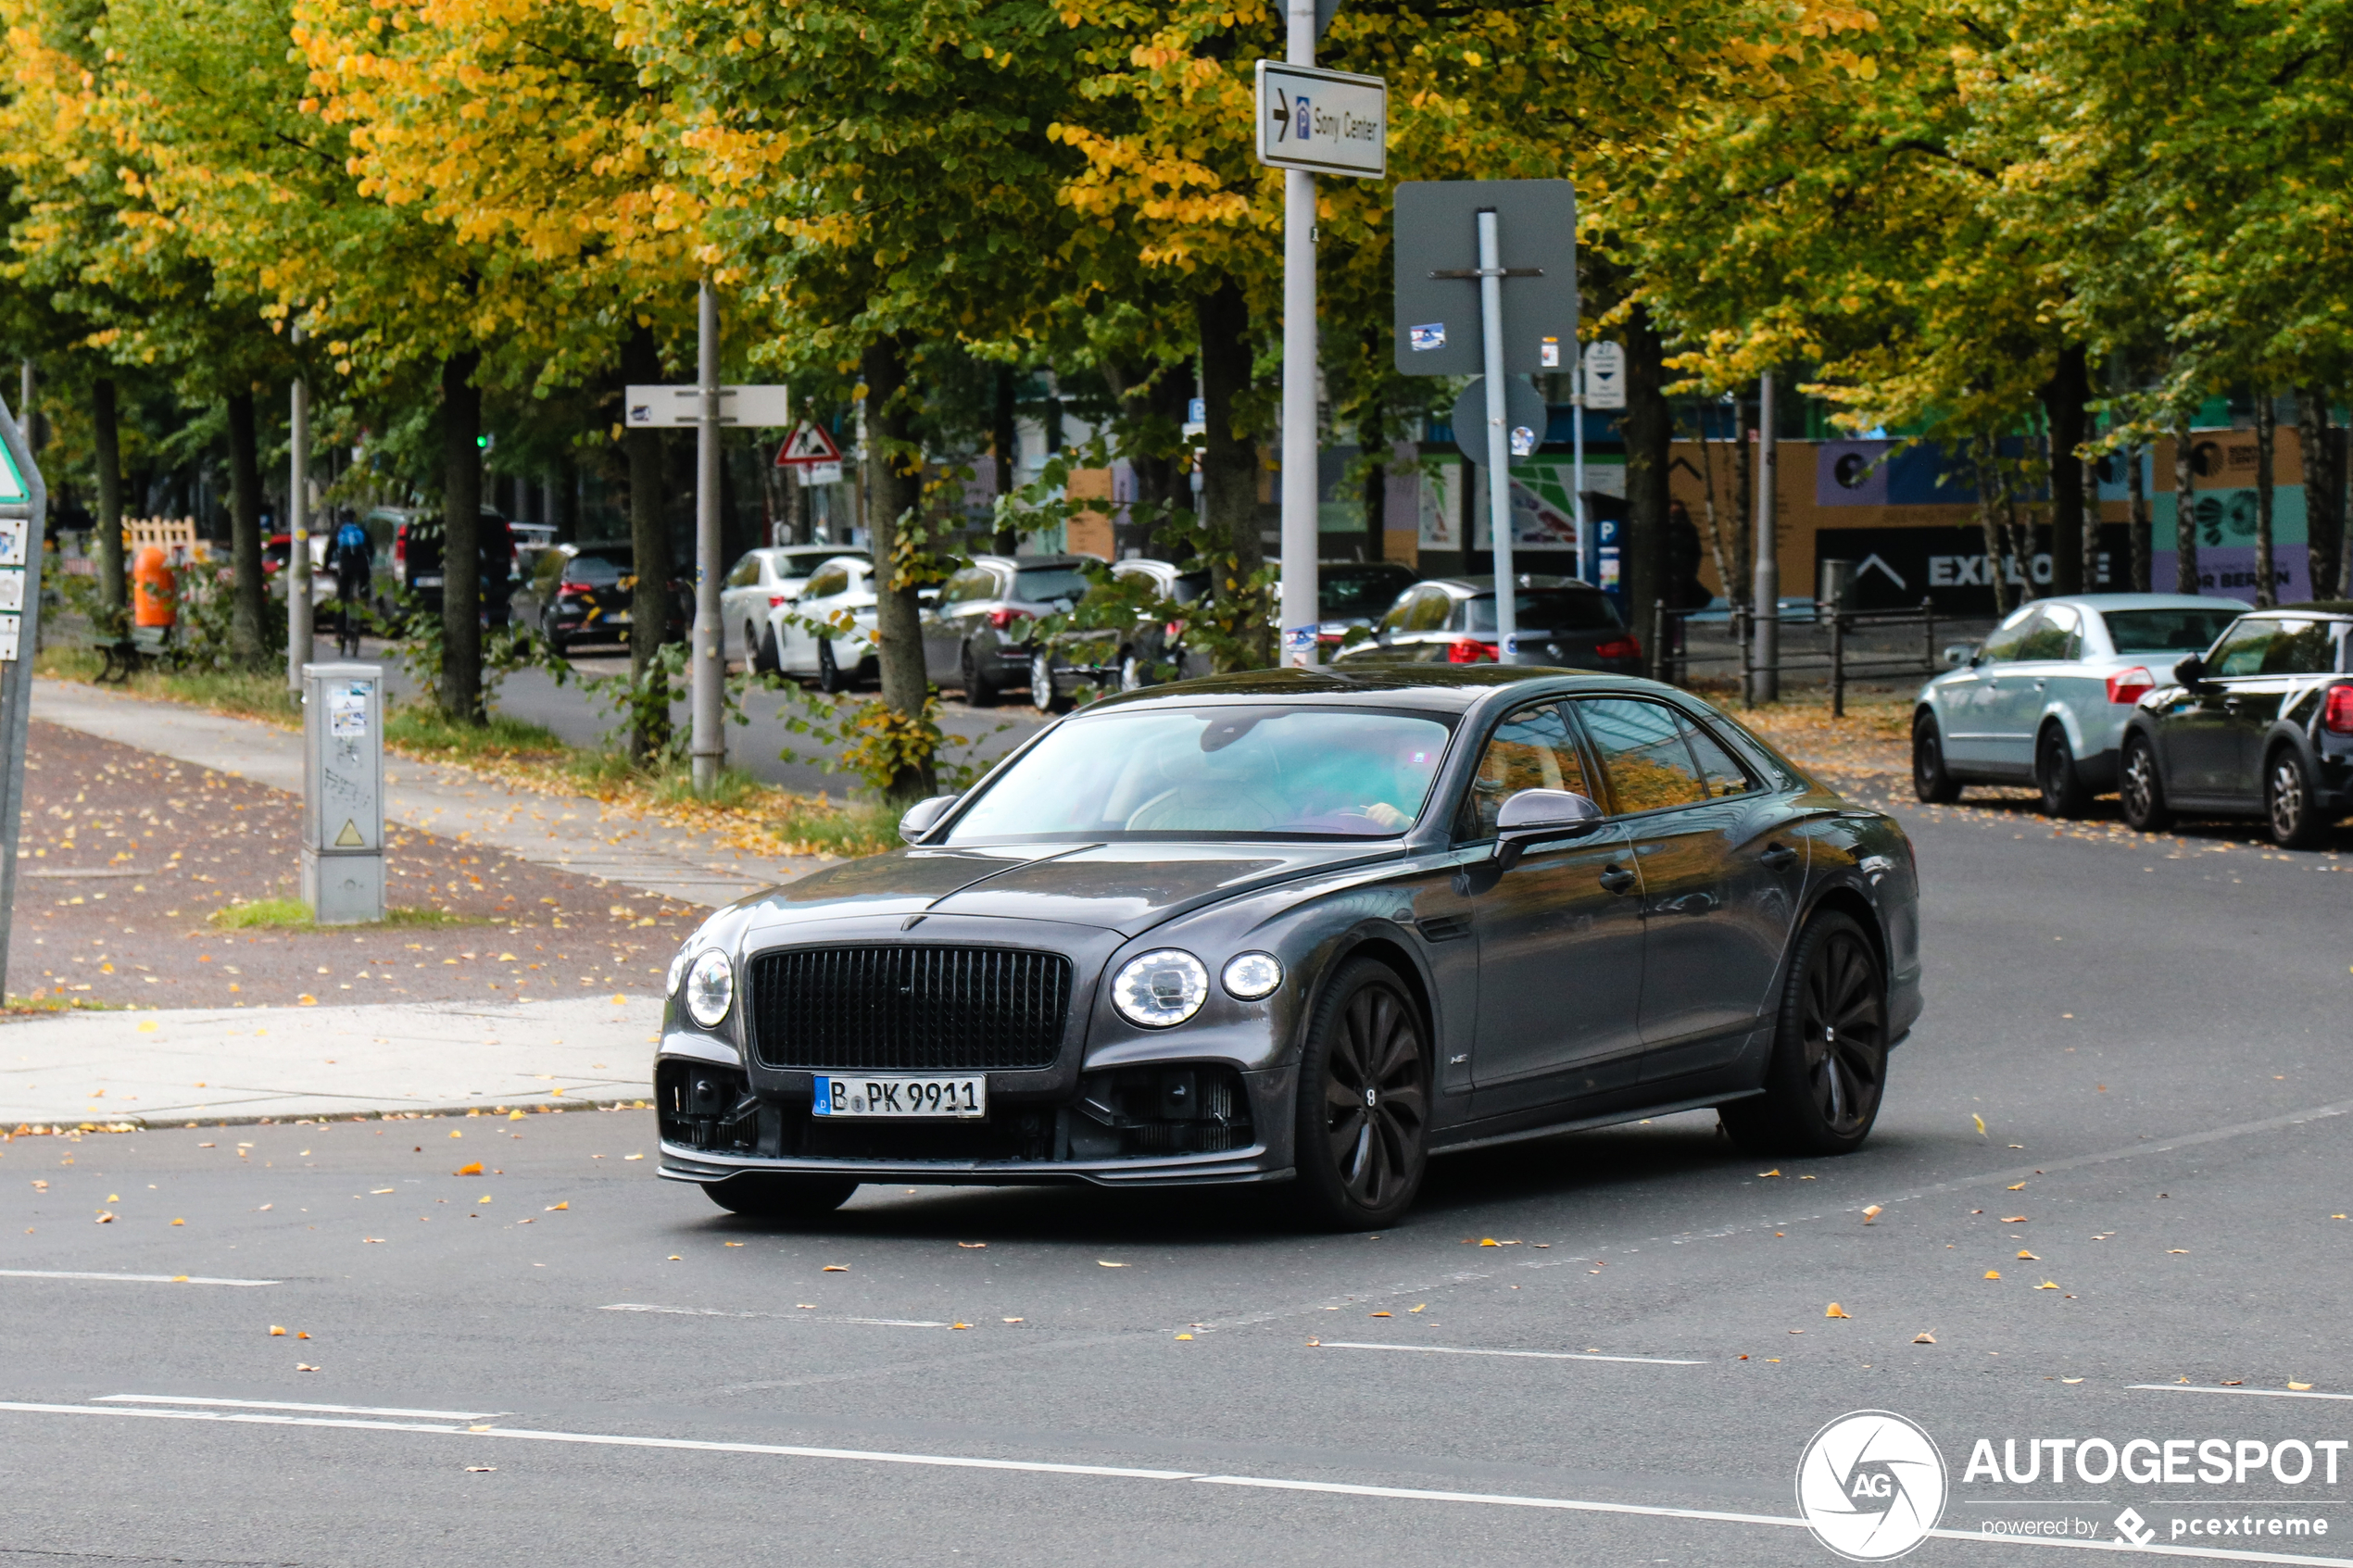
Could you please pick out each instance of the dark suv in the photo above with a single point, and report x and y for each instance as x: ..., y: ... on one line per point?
x: 1558, y: 623
x: 2260, y: 725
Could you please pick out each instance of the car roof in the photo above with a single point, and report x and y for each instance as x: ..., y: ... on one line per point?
x: 2313, y: 607
x: 1469, y: 587
x: 1026, y: 563
x: 2139, y: 601
x: 1449, y: 689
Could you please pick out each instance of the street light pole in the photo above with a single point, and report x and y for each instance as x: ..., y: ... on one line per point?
x: 1299, y: 545
x: 1765, y: 678
x: 298, y: 621
x: 707, y: 671
x: 1498, y: 439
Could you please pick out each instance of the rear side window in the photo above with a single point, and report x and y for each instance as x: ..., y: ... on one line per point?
x: 968, y: 587
x: 1532, y: 749
x: 2057, y: 634
x: 824, y: 584
x: 746, y: 573
x: 1427, y: 612
x: 1642, y: 750
x: 2265, y: 647
x: 1719, y: 769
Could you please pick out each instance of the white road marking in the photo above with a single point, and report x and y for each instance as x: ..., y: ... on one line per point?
x: 135, y: 1279
x: 319, y: 1410
x: 2265, y: 1393
x: 779, y: 1317
x: 1532, y: 1355
x: 1040, y: 1467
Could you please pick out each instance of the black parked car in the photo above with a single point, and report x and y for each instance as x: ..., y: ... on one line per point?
x: 586, y: 594
x: 1558, y: 621
x: 1310, y: 926
x: 2260, y: 725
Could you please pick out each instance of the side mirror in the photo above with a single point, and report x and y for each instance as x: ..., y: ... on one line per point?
x: 924, y: 815
x: 1541, y: 816
x: 1957, y: 655
x: 2191, y: 671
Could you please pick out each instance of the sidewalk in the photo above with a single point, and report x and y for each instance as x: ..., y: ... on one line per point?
x: 167, y: 1068
x: 571, y: 833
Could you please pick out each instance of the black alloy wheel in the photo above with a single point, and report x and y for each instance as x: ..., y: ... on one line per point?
x: 2140, y: 787
x: 1930, y: 783
x: 1363, y: 1134
x: 978, y: 693
x: 2064, y: 793
x: 765, y: 1196
x: 830, y: 680
x: 1829, y: 1067
x: 2287, y: 803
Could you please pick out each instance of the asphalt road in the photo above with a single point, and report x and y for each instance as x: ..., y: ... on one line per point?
x: 2151, y: 1031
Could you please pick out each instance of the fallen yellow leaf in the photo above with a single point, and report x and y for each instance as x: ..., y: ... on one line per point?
x: 1992, y: 1273
x: 552, y: 1208
x: 1420, y: 1307
x: 1488, y: 1241
x: 2028, y: 1257
x: 2013, y: 1219
x: 2047, y: 1285
x: 1923, y: 1338
x: 1377, y: 1314
x: 179, y: 1222
x: 2020, y: 1187
x: 972, y: 1244
x: 276, y: 1332
x: 1981, y: 1124
x: 960, y: 1326
x: 2301, y: 1388
x: 1100, y: 1264
x: 1835, y: 1311
x: 2177, y: 1251
x: 1871, y: 1214
x: 1774, y: 1172
x: 837, y: 1268
x: 731, y: 1244
x: 1189, y: 1336
x: 2071, y: 1380
x: 105, y: 1219
x: 472, y: 1169
x: 305, y: 1366
x: 514, y: 1116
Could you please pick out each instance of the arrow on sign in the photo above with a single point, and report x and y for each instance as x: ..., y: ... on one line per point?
x: 810, y: 446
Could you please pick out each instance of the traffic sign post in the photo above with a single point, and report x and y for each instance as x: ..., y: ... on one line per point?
x: 1310, y: 122
x: 1600, y: 383
x: 24, y: 503
x: 1514, y: 318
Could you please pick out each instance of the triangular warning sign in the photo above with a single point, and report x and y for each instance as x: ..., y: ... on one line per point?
x: 349, y: 837
x: 810, y: 444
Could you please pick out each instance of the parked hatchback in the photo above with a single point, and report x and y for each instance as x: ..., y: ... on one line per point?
x: 977, y: 636
x: 760, y: 581
x: 1559, y: 623
x: 2045, y: 699
x: 587, y: 593
x: 2261, y: 724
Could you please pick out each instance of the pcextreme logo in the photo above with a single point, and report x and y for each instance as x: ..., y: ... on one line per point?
x: 1870, y: 1486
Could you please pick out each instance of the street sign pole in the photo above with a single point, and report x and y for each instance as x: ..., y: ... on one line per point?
x: 1499, y: 449
x: 1765, y: 677
x: 1301, y: 547
x: 710, y: 742
x: 1587, y: 566
x: 298, y: 621
x: 24, y: 505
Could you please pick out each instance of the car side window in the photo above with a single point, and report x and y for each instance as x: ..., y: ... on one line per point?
x: 1394, y: 620
x: 2245, y: 649
x: 1642, y: 750
x: 978, y: 582
x: 1534, y: 748
x: 1428, y: 611
x: 831, y: 581
x: 2057, y: 632
x: 744, y: 573
x: 2301, y: 647
x: 2011, y: 637
x: 1719, y: 771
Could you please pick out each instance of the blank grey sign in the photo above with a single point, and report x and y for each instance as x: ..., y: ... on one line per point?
x: 1438, y: 328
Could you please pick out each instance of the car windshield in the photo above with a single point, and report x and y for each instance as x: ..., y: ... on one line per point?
x: 1548, y: 610
x: 595, y: 570
x: 1359, y: 592
x: 1215, y: 772
x: 2168, y: 630
x: 1045, y: 584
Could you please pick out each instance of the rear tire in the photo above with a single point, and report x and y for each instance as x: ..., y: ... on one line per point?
x: 2288, y: 806
x: 762, y: 1196
x: 2141, y: 786
x: 2064, y: 794
x: 1362, y: 1125
x: 1930, y: 783
x: 1828, y: 1070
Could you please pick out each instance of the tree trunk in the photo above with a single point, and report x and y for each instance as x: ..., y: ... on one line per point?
x: 1650, y: 432
x: 2137, y: 516
x: 1229, y: 451
x: 114, y: 586
x: 1004, y: 442
x: 2344, y: 467
x: 2063, y: 398
x: 250, y: 604
x: 649, y: 551
x: 2185, y: 511
x: 462, y: 538
x: 1990, y: 494
x: 2266, y: 441
x: 895, y: 477
x: 1744, y: 521
x: 2320, y: 480
x: 1370, y: 440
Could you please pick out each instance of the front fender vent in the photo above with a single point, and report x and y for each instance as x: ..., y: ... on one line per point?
x: 909, y: 1008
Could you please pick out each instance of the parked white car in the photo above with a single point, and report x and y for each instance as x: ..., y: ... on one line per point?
x: 842, y: 587
x: 2045, y: 699
x: 760, y: 581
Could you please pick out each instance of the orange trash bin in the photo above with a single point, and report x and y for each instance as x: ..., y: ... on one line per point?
x: 153, y: 602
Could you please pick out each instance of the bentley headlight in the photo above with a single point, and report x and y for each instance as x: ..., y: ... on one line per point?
x: 677, y: 969
x: 711, y: 987
x: 1160, y: 988
x: 1252, y: 975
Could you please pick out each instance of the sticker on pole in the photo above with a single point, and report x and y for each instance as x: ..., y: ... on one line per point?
x: 808, y: 447
x: 1322, y: 121
x: 347, y: 712
x: 12, y: 537
x: 10, y: 628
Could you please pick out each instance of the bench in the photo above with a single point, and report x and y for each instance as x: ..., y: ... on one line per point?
x: 122, y: 656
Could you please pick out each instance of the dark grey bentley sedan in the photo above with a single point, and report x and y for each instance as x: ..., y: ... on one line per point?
x: 1311, y: 927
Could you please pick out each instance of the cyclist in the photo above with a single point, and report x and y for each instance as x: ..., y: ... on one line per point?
x: 353, y: 563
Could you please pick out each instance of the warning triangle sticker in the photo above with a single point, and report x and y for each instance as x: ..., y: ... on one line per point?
x: 349, y: 837
x: 809, y: 445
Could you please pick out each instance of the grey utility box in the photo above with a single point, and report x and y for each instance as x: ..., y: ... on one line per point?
x: 343, y: 792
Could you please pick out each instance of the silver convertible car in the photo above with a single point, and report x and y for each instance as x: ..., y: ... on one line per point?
x: 2043, y: 701
x: 1311, y: 927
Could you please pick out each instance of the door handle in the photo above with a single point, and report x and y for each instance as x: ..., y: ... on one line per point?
x: 1618, y: 879
x: 1777, y: 858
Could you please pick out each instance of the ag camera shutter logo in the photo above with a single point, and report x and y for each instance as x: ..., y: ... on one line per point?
x: 1870, y: 1486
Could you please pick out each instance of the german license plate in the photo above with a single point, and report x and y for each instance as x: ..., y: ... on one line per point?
x: 960, y: 1098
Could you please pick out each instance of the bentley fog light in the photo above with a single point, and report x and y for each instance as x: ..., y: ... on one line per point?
x: 1159, y: 988
x: 1252, y: 975
x: 711, y: 988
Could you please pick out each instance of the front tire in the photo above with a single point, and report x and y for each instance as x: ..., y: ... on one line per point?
x: 978, y: 693
x: 1829, y: 1068
x: 1931, y: 781
x: 830, y: 680
x: 2056, y: 775
x: 2140, y: 787
x: 1042, y: 695
x: 2288, y: 806
x: 762, y: 1196
x: 1361, y: 1129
